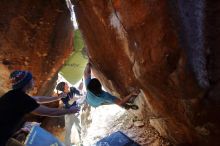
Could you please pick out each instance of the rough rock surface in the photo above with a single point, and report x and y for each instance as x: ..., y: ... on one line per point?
x: 167, y: 49
x: 160, y: 48
x: 105, y: 123
x: 35, y: 35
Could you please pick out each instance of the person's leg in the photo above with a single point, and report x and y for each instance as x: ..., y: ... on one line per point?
x: 78, y: 127
x: 69, y: 119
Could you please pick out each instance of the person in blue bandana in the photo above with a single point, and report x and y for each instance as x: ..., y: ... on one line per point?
x: 16, y: 104
x: 96, y: 96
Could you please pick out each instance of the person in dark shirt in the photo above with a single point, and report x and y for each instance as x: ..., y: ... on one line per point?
x: 16, y: 103
x: 67, y: 95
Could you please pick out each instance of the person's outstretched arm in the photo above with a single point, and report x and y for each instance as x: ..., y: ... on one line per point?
x: 80, y: 87
x: 54, y: 112
x: 121, y: 102
x: 87, y: 71
x: 46, y: 99
x: 87, y: 74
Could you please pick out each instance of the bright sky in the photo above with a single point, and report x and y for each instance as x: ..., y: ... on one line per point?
x: 73, y: 17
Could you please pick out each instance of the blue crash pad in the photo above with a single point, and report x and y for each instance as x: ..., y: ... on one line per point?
x: 40, y: 137
x: 117, y: 139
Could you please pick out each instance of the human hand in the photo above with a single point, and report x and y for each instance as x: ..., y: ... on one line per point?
x: 74, y: 109
x: 62, y: 95
x: 135, y: 92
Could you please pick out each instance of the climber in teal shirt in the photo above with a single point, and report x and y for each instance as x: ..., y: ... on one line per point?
x: 102, y: 98
x: 96, y: 96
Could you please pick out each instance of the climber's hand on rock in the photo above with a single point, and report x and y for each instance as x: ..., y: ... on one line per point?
x: 135, y: 92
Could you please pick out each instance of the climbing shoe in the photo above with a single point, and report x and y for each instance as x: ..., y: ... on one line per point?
x: 131, y: 106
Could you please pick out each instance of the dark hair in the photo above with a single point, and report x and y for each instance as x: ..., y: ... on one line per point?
x: 95, y: 86
x: 61, y: 86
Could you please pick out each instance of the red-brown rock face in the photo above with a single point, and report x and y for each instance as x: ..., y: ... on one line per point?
x: 151, y: 45
x: 35, y: 35
x: 159, y: 47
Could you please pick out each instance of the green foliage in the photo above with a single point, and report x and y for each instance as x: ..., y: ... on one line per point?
x: 73, y: 69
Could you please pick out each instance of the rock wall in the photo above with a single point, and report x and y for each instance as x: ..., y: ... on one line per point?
x: 37, y: 36
x: 167, y: 49
x: 160, y: 48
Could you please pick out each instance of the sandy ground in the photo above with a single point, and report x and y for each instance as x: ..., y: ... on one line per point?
x: 107, y: 119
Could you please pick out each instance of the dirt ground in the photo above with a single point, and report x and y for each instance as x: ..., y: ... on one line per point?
x: 107, y: 119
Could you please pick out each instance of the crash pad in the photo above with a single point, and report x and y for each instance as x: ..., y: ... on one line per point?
x: 40, y: 137
x: 117, y: 139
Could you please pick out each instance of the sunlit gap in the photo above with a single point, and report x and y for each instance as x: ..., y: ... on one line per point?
x: 73, y: 17
x: 102, y: 118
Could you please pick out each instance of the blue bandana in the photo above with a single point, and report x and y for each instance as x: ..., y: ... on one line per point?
x: 20, y: 78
